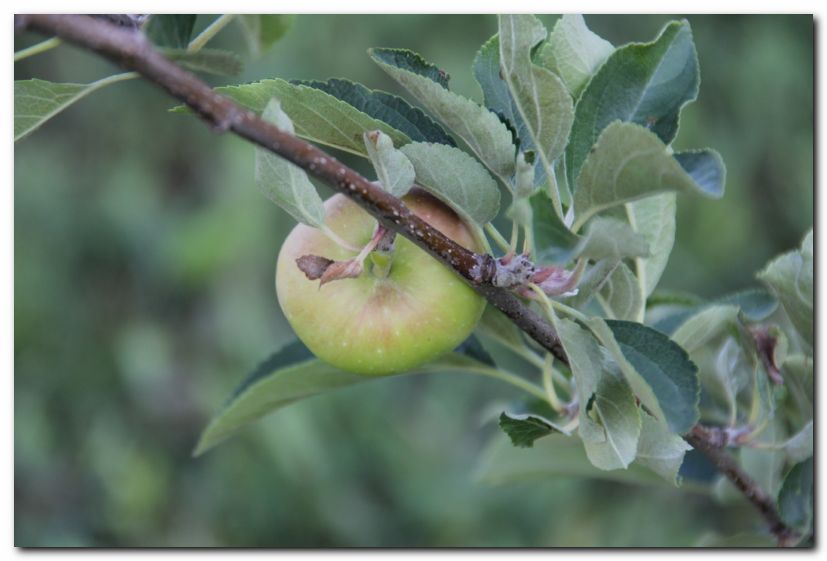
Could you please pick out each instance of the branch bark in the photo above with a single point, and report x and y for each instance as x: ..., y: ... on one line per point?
x: 132, y: 50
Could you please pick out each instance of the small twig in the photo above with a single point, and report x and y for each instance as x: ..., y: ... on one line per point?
x: 699, y: 438
x: 130, y: 49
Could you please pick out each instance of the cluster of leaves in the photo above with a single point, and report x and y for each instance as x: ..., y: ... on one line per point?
x: 578, y: 134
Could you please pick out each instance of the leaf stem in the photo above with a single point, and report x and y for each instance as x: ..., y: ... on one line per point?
x: 515, y: 237
x: 508, y: 378
x: 209, y: 32
x: 496, y: 236
x: 41, y: 47
x: 548, y: 384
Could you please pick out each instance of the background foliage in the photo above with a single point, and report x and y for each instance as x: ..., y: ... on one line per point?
x: 143, y: 291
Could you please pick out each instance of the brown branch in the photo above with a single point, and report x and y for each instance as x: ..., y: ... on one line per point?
x: 131, y: 49
x: 699, y: 438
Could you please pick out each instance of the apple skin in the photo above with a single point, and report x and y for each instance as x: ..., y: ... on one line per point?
x: 371, y: 325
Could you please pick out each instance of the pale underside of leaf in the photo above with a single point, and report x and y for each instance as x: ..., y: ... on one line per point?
x: 539, y: 95
x: 629, y: 163
x: 456, y: 178
x: 574, y: 52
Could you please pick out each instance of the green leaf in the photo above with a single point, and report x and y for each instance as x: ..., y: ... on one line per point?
x: 170, y: 30
x: 654, y: 219
x: 628, y: 163
x: 609, y: 419
x: 800, y: 446
x: 620, y: 295
x: 658, y: 370
x: 394, y: 170
x: 385, y: 107
x: 660, y: 449
x: 790, y: 277
x: 756, y: 304
x: 487, y: 137
x: 551, y: 457
x: 574, y: 52
x: 528, y: 421
x: 647, y: 84
x: 264, y: 30
x: 37, y: 101
x: 554, y: 242
x: 706, y: 325
x: 210, y: 61
x: 795, y: 501
x: 410, y: 61
x: 540, y: 96
x: 608, y: 237
x: 497, y: 98
x: 456, y: 178
x: 612, y: 424
x: 283, y: 182
x: 316, y: 115
x: 523, y: 430
x: 592, y: 281
x: 292, y: 374
x: 705, y: 167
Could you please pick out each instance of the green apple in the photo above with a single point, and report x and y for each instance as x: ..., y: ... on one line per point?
x: 378, y: 324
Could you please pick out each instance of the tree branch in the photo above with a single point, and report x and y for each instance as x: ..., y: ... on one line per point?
x: 131, y: 49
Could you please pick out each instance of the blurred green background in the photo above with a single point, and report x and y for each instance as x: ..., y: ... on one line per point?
x: 144, y: 261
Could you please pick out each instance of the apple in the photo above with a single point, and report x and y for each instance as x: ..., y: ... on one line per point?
x: 383, y: 321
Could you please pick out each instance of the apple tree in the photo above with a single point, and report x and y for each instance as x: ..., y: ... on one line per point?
x: 520, y: 237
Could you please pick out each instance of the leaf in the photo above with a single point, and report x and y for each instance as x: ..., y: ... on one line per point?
x: 283, y: 182
x: 660, y: 449
x: 210, y: 61
x: 291, y: 375
x: 316, y: 115
x: 37, y: 101
x: 612, y: 429
x: 706, y: 325
x: 574, y: 52
x: 394, y: 170
x: 593, y: 280
x: 529, y: 421
x: 552, y: 457
x: 705, y: 167
x: 456, y: 178
x: 487, y: 137
x: 647, y: 84
x: 264, y: 30
x: 385, y: 107
x: 609, y: 420
x: 410, y: 61
x: 540, y: 96
x: 795, y: 501
x: 790, y: 277
x: 170, y: 30
x: 658, y: 370
x: 757, y: 304
x: 523, y: 430
x: 800, y: 446
x: 555, y: 243
x: 608, y: 237
x: 497, y: 98
x: 620, y: 295
x: 629, y: 163
x: 654, y: 219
